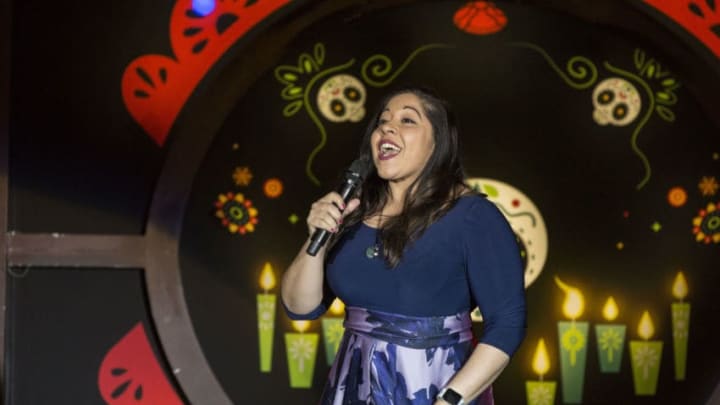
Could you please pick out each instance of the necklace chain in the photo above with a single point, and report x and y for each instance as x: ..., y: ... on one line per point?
x: 374, y: 251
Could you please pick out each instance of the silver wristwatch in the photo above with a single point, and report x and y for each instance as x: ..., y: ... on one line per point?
x: 451, y: 396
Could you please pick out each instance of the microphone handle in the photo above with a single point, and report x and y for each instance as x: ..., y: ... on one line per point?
x: 321, y: 236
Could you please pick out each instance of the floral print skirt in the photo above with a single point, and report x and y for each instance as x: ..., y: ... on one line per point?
x: 387, y: 359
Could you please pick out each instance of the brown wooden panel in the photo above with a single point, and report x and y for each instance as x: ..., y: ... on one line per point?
x: 5, y: 30
x: 113, y: 251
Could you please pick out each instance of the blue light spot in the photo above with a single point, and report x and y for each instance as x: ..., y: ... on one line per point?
x: 203, y: 7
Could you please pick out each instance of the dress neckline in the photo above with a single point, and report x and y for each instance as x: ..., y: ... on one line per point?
x: 456, y: 202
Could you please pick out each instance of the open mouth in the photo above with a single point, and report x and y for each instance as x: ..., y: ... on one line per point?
x: 388, y: 150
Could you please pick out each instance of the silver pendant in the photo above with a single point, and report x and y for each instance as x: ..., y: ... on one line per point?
x: 372, y: 251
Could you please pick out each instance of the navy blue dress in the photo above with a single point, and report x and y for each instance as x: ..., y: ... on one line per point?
x: 466, y: 258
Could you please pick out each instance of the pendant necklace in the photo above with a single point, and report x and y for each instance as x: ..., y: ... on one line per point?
x: 374, y: 251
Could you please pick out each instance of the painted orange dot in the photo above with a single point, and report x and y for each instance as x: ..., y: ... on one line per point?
x: 677, y: 196
x: 273, y: 188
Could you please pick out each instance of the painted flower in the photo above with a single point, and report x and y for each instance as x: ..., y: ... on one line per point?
x: 301, y: 350
x: 706, y: 226
x: 540, y: 395
x: 610, y: 341
x: 708, y: 186
x: 236, y: 213
x: 646, y: 358
x: 242, y: 176
x: 573, y: 341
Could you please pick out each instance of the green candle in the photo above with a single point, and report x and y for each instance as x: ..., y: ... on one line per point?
x: 572, y: 345
x: 680, y: 326
x: 681, y: 329
x: 573, y: 353
x: 645, y: 357
x: 301, y: 351
x: 333, y: 330
x: 266, y: 329
x: 610, y: 339
x: 266, y: 318
x: 540, y: 392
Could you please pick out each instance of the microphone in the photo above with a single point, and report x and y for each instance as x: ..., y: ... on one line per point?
x: 353, y: 177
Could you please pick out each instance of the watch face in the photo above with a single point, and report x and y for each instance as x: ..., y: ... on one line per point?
x: 451, y: 397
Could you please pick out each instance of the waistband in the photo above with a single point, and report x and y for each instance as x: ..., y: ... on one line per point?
x: 410, y: 331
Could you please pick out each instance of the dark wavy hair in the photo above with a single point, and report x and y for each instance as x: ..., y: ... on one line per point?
x: 430, y: 196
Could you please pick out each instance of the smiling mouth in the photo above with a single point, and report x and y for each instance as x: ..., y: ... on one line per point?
x: 388, y: 150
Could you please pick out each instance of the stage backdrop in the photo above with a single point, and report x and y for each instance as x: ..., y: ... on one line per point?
x: 597, y: 141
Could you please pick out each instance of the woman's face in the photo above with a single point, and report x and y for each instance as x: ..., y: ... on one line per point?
x: 403, y: 141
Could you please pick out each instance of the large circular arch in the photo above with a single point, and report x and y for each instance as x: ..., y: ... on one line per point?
x: 190, y: 140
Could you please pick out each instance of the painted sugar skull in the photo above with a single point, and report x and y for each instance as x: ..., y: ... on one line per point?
x: 342, y: 98
x: 617, y: 102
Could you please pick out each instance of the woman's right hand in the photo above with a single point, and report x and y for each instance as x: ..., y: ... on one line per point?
x: 328, y: 212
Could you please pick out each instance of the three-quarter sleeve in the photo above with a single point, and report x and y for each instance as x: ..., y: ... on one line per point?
x: 328, y: 298
x: 495, y: 272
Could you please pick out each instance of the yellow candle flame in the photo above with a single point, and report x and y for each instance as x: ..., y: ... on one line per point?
x: 680, y: 287
x: 267, y: 278
x: 645, y: 327
x: 541, y: 360
x: 337, y: 307
x: 610, y: 310
x: 574, y: 303
x: 301, y: 326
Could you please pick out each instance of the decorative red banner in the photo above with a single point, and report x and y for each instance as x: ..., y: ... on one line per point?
x: 131, y: 374
x: 156, y: 87
x: 701, y: 18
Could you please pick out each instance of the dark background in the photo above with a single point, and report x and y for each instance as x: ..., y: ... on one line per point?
x: 79, y: 164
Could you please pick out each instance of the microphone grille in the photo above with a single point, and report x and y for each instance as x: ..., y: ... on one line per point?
x: 361, y: 166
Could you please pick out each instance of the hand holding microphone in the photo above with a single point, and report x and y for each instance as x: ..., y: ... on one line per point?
x: 327, y: 213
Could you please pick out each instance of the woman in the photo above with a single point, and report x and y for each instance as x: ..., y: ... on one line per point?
x: 410, y: 257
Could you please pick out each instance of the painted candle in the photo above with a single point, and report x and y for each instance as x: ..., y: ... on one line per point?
x: 680, y: 325
x: 540, y: 392
x: 573, y: 344
x: 333, y: 329
x: 610, y: 339
x: 301, y: 351
x: 645, y: 356
x: 266, y: 304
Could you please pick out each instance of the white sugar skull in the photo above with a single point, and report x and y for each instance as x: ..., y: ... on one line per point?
x: 342, y: 98
x: 617, y: 102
